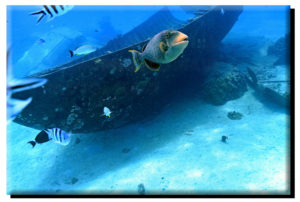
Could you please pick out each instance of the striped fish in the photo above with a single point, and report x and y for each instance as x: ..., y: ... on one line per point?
x: 58, y: 136
x: 52, y: 11
x: 55, y: 134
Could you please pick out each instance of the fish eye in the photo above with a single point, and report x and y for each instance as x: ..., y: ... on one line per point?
x: 168, y: 35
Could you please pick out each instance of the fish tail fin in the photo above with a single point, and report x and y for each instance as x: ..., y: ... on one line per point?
x: 137, y: 59
x: 71, y: 53
x: 37, y: 13
x: 33, y: 143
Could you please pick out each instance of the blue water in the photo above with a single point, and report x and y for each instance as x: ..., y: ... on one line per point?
x: 161, y: 154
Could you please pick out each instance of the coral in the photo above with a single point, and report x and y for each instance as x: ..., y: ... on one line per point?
x: 141, y: 189
x: 224, y: 87
x: 126, y: 62
x: 234, y: 115
x: 142, y: 84
x: 120, y: 92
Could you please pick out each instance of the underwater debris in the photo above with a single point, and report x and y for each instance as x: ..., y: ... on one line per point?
x: 234, y: 115
x: 163, y: 48
x: 100, y: 84
x: 141, y: 189
x: 270, y: 94
x: 253, y: 76
x: 224, y: 139
x: 74, y: 180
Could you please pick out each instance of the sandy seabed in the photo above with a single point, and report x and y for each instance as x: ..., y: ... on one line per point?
x: 178, y: 152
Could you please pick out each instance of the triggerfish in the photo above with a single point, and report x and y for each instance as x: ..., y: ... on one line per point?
x: 55, y: 134
x: 83, y: 50
x: 163, y: 48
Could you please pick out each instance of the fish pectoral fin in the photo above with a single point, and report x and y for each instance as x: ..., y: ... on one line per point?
x: 163, y: 47
x: 144, y: 47
x: 152, y: 65
x: 137, y: 61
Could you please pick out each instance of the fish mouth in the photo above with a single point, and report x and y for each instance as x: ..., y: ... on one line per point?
x: 181, y: 38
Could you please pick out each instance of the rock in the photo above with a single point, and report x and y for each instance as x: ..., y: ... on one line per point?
x: 141, y: 189
x: 224, y: 138
x: 234, y: 116
x: 74, y: 180
x: 281, y: 49
x: 125, y: 150
x: 224, y: 86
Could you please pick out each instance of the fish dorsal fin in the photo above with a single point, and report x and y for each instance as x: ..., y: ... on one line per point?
x: 144, y: 47
x: 152, y: 65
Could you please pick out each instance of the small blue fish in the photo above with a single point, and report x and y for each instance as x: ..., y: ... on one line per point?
x: 52, y: 11
x: 55, y: 134
x: 106, y: 111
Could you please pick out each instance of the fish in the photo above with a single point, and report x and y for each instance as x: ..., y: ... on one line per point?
x: 15, y: 106
x: 200, y: 13
x: 106, y: 111
x: 41, y: 41
x: 224, y: 138
x: 163, y: 48
x: 54, y: 134
x: 222, y: 11
x: 52, y: 11
x: 83, y: 50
